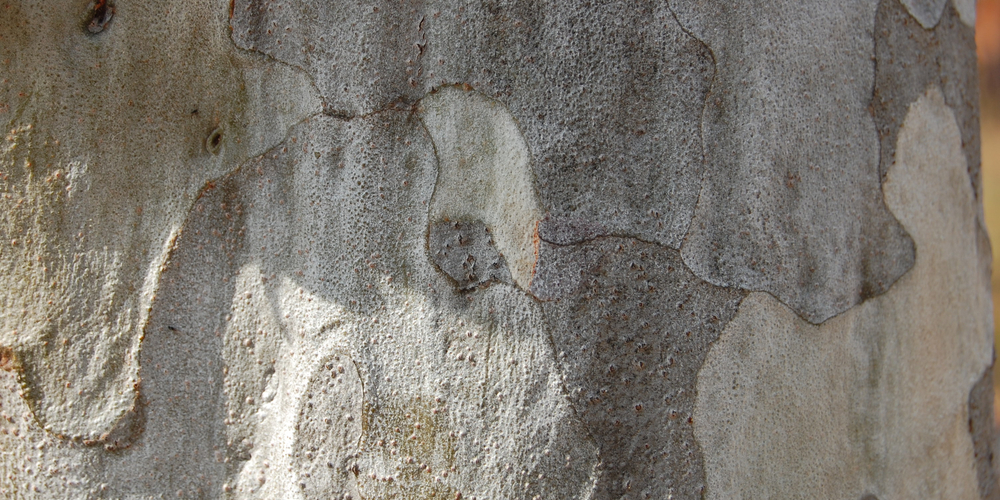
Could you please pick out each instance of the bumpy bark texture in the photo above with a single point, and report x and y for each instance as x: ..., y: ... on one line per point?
x: 792, y: 205
x: 633, y: 331
x: 517, y: 249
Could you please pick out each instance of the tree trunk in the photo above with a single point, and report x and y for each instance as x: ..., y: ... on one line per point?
x: 520, y: 249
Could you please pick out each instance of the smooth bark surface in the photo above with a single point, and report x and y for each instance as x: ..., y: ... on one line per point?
x: 519, y: 249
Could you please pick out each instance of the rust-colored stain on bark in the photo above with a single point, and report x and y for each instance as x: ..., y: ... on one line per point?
x: 7, y: 359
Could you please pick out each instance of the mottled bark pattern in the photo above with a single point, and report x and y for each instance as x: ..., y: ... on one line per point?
x: 621, y: 80
x: 909, y: 58
x: 791, y: 203
x: 511, y: 249
x: 632, y: 329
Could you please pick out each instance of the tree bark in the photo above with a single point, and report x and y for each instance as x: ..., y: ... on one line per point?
x: 634, y: 249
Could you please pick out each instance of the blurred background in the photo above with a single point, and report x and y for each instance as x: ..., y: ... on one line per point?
x: 988, y: 49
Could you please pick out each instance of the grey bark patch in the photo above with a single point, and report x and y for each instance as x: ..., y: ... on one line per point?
x: 908, y: 59
x: 328, y: 431
x: 791, y: 202
x: 465, y: 252
x: 609, y: 95
x: 362, y: 55
x: 632, y: 335
x: 557, y: 276
x: 983, y: 430
x: 612, y: 113
x: 926, y: 12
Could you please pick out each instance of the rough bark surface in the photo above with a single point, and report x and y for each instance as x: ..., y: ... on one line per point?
x: 516, y: 249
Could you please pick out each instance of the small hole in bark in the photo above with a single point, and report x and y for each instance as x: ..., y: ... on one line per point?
x: 214, y: 142
x: 99, y: 14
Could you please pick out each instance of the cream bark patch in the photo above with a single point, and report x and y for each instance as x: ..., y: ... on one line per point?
x: 865, y: 385
x: 926, y: 12
x: 484, y: 173
x: 966, y: 11
x: 96, y: 188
